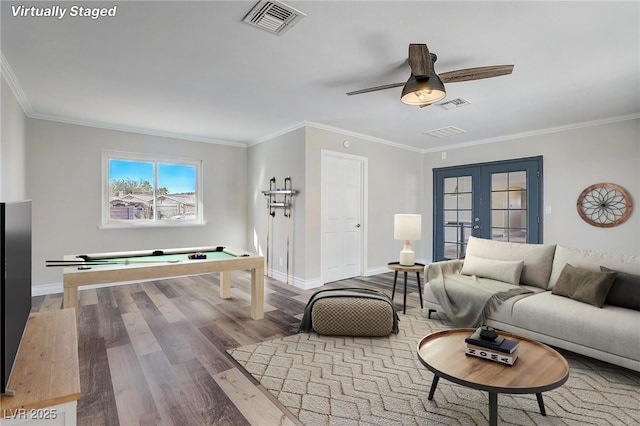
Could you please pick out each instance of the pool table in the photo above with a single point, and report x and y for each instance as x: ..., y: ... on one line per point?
x: 159, y: 264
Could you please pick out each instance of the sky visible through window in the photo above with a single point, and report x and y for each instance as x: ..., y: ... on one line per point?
x: 177, y: 178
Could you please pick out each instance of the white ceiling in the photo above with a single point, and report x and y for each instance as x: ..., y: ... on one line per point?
x: 194, y: 70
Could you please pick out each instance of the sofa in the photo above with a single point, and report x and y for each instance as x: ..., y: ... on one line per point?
x: 583, y: 301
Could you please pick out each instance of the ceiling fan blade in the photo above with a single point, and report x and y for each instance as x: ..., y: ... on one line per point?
x: 420, y: 60
x: 375, y: 89
x: 475, y: 73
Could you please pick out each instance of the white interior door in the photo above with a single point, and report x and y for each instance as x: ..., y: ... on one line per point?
x: 342, y: 212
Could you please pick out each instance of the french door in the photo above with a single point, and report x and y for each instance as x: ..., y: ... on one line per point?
x: 498, y: 200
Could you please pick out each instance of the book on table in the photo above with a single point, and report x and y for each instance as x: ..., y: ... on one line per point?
x: 500, y: 357
x: 507, y: 346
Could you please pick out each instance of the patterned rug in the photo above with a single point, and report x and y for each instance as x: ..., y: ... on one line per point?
x: 326, y: 380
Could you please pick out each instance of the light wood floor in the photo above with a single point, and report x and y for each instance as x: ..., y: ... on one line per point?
x: 155, y: 353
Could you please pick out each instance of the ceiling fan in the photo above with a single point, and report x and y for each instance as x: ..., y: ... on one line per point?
x: 424, y: 86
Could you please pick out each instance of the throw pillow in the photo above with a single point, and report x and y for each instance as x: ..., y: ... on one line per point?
x: 502, y: 270
x: 584, y: 285
x: 538, y: 258
x: 625, y: 291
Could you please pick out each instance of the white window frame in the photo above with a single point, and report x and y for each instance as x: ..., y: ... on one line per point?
x: 107, y: 222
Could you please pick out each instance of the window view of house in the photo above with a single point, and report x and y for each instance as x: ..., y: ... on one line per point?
x: 150, y: 190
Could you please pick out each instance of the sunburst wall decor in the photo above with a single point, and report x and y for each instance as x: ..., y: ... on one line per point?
x: 604, y: 205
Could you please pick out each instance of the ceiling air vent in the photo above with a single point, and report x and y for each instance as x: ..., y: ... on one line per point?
x: 273, y: 16
x: 445, y: 132
x: 454, y: 103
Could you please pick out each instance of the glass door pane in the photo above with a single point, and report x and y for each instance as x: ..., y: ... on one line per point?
x: 458, y: 203
x: 509, y: 206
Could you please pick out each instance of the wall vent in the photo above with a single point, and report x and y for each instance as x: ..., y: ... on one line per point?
x: 273, y: 16
x: 455, y: 103
x: 444, y: 132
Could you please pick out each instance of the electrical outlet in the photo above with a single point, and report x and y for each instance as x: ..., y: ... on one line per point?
x: 281, y: 262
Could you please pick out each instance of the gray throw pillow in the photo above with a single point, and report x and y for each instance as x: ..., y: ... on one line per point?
x: 584, y: 285
x: 625, y: 291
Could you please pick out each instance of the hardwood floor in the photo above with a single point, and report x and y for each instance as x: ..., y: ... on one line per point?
x: 154, y: 353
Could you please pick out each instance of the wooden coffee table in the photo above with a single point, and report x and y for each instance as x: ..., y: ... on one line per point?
x: 537, y: 369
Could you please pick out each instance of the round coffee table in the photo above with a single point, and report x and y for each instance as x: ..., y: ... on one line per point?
x: 537, y: 369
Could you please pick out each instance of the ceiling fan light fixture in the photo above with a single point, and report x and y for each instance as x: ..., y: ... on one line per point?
x: 423, y: 91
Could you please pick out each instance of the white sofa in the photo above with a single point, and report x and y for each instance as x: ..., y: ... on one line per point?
x: 609, y: 333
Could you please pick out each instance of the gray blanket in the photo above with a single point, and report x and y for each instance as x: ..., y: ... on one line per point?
x: 467, y: 300
x: 306, y: 326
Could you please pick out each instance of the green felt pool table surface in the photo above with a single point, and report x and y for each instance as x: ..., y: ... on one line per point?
x: 151, y: 259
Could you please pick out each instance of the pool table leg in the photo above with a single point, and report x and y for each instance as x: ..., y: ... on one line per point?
x: 257, y: 293
x: 225, y: 284
x: 70, y: 298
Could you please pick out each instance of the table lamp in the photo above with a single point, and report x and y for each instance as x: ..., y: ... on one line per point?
x: 407, y: 227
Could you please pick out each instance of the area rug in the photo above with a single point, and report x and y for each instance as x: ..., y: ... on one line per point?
x: 327, y: 380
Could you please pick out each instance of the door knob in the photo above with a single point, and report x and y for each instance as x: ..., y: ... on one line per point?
x: 358, y: 225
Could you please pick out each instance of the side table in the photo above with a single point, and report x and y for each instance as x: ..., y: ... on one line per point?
x: 396, y: 267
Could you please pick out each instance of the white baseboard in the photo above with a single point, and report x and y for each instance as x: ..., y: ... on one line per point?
x: 295, y: 281
x: 376, y: 271
x: 44, y: 289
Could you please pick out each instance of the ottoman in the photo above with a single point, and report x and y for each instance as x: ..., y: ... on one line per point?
x: 350, y: 312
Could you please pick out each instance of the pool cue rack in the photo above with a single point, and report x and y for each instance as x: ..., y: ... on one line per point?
x: 279, y: 198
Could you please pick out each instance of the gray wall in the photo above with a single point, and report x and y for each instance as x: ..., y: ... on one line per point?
x: 401, y: 181
x: 279, y: 157
x: 12, y: 146
x: 573, y: 160
x: 64, y: 181
x: 395, y: 185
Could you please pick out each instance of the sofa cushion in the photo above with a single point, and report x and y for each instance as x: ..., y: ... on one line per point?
x: 611, y: 329
x: 625, y: 291
x: 538, y: 258
x: 584, y: 285
x: 589, y: 259
x: 508, y: 271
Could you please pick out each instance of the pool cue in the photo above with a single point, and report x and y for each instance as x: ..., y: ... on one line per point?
x: 109, y: 262
x: 288, y: 232
x: 267, y: 223
x: 287, y: 213
x: 78, y: 263
x: 270, y: 214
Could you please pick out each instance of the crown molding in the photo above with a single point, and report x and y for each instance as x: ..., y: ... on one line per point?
x: 276, y: 134
x: 333, y: 129
x: 130, y: 129
x: 361, y: 136
x: 14, y: 85
x: 556, y: 129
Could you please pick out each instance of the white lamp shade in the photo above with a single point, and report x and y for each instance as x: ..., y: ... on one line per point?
x: 407, y: 226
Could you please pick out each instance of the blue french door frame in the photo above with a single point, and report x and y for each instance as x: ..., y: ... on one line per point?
x: 479, y: 223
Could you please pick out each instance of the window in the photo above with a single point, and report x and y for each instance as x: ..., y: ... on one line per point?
x: 144, y: 190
